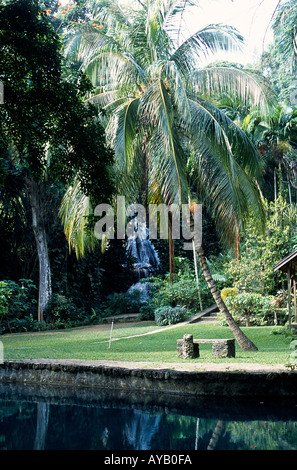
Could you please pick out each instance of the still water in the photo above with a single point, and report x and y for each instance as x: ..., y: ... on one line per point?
x: 58, y: 419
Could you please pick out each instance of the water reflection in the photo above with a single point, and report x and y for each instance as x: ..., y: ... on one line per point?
x: 43, y: 419
x: 141, y: 429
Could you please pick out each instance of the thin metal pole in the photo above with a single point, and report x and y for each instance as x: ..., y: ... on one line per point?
x: 110, y: 334
x: 289, y: 294
x: 294, y: 291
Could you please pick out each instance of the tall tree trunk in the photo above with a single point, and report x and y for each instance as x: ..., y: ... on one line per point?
x: 196, y: 275
x: 244, y: 342
x: 45, y: 287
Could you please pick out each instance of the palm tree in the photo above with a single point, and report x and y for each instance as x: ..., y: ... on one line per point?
x: 153, y: 94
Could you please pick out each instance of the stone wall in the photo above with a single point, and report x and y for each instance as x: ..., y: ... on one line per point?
x: 198, y: 383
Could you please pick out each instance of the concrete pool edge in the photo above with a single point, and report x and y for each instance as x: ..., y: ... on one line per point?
x: 229, y: 383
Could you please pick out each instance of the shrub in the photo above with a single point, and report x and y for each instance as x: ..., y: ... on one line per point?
x: 229, y: 292
x: 147, y: 312
x: 59, y: 310
x: 22, y: 298
x: 18, y: 302
x: 264, y: 249
x: 122, y: 303
x: 252, y: 309
x: 168, y: 315
x: 4, y: 296
x: 182, y: 292
x: 18, y: 309
x: 26, y: 323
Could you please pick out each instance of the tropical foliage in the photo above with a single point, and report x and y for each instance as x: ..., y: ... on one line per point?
x: 153, y: 94
x: 54, y: 138
x: 134, y: 112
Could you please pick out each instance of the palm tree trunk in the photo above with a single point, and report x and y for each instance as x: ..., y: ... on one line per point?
x: 244, y: 342
x: 45, y: 288
x: 217, y: 433
x: 197, y: 276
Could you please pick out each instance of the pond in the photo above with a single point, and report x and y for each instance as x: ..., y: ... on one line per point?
x: 52, y: 418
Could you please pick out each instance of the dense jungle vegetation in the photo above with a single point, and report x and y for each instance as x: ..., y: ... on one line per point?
x: 102, y: 100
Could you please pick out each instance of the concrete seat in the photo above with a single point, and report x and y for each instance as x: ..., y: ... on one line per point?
x: 188, y: 348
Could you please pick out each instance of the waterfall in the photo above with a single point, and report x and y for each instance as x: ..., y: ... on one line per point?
x: 146, y: 260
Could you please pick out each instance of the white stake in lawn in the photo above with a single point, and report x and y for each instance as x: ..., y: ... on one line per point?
x: 110, y: 334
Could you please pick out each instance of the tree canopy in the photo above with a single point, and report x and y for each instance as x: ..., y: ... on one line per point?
x: 45, y: 125
x: 44, y: 115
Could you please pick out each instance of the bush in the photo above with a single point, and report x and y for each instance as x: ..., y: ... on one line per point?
x: 22, y: 298
x: 168, y: 315
x: 18, y: 301
x: 122, y: 303
x: 147, y: 312
x: 18, y: 309
x: 4, y: 296
x: 253, y: 309
x: 229, y: 292
x: 26, y: 323
x: 264, y: 249
x: 182, y: 292
x: 59, y: 310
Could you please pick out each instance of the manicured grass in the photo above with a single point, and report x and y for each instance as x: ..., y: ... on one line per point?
x: 92, y: 343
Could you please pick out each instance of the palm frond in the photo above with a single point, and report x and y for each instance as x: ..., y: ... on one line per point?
x: 122, y: 132
x: 205, y: 43
x: 150, y: 86
x: 83, y: 39
x: 230, y: 198
x: 249, y: 87
x: 164, y: 141
x: 74, y: 211
x: 178, y: 91
x: 116, y: 13
x: 206, y: 130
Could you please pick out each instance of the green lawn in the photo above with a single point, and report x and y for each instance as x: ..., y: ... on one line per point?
x: 93, y: 343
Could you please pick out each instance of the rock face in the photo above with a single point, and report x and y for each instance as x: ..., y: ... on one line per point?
x: 168, y: 381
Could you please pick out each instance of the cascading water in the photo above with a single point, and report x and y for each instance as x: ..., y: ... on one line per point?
x: 145, y: 261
